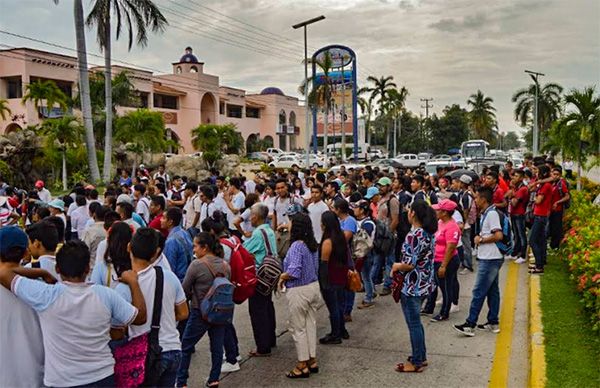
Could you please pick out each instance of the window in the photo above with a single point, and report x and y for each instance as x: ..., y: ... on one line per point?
x: 234, y: 111
x: 14, y: 88
x: 164, y: 101
x: 221, y: 108
x: 66, y: 89
x: 253, y: 112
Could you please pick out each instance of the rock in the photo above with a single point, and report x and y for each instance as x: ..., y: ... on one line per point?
x: 184, y: 165
x: 229, y: 165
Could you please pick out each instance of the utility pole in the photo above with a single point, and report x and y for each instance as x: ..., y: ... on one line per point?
x: 536, y: 130
x: 427, y: 106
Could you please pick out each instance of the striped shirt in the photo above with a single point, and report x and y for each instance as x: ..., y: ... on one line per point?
x: 301, y: 264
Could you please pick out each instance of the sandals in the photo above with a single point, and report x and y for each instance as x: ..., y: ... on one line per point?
x: 406, y: 368
x: 298, y: 374
x: 424, y: 363
x: 313, y: 367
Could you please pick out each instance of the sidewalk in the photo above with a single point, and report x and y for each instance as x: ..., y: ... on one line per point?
x: 378, y: 340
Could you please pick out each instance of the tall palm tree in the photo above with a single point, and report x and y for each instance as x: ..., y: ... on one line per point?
x: 138, y: 16
x: 579, y: 128
x: 394, y: 106
x: 379, y: 91
x: 549, y: 105
x: 40, y: 91
x: 4, y: 109
x: 482, y: 117
x: 366, y: 106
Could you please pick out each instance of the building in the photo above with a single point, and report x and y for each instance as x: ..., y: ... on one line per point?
x: 187, y: 98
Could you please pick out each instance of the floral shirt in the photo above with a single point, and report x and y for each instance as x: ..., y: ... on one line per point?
x: 417, y: 251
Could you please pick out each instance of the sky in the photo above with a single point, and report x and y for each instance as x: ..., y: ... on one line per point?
x: 440, y: 49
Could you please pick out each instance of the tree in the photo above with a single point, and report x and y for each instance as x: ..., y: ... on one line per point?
x: 40, y: 91
x: 449, y: 130
x: 215, y: 140
x: 394, y: 106
x: 482, y: 117
x: 379, y: 91
x: 62, y: 133
x: 141, y: 131
x: 366, y: 107
x: 549, y: 106
x: 138, y: 16
x: 577, y: 133
x: 510, y: 141
x: 4, y: 109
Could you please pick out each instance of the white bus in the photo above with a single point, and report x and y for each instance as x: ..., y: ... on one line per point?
x: 474, y: 149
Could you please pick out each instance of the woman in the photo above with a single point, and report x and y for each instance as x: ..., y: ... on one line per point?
x: 446, y: 259
x: 198, y: 280
x: 242, y: 223
x: 298, y: 188
x: 300, y: 282
x: 541, y: 211
x: 362, y: 212
x: 333, y: 275
x: 112, y: 258
x: 417, y: 264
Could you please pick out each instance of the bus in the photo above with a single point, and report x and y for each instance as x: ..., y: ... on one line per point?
x: 475, y: 149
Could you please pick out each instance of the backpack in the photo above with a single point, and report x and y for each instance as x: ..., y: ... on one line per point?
x: 384, y: 239
x: 567, y: 204
x: 472, y: 211
x: 362, y: 243
x: 505, y: 246
x: 217, y: 305
x: 243, y: 270
x: 269, y: 271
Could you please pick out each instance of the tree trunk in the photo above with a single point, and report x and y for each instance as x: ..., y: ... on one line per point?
x: 387, y: 139
x: 106, y: 174
x: 84, y: 91
x: 64, y: 169
x: 134, y: 165
x: 579, y: 166
x: 326, y: 123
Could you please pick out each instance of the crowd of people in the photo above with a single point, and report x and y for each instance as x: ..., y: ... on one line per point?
x: 117, y: 289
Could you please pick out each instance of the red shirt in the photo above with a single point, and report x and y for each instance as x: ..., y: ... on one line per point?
x: 498, y: 196
x: 543, y: 208
x: 522, y: 195
x: 556, y: 193
x: 155, y: 224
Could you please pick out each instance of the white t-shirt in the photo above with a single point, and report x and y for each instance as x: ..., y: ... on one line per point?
x: 49, y: 264
x: 44, y: 195
x: 280, y: 206
x: 206, y: 210
x: 190, y: 209
x: 250, y: 187
x: 75, y: 319
x: 246, y: 225
x: 79, y: 218
x: 491, y: 223
x: 456, y: 216
x: 173, y: 295
x: 315, y: 211
x: 22, y: 350
x: 143, y: 209
x: 238, y: 203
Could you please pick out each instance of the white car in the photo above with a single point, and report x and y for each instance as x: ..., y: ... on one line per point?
x: 274, y: 152
x: 286, y: 161
x: 336, y: 169
x: 409, y: 160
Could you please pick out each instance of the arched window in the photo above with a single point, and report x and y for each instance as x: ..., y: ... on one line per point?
x: 178, y: 70
x: 292, y: 120
x: 193, y: 69
x: 282, y: 118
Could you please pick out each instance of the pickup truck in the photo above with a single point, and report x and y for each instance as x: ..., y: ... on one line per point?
x: 409, y: 161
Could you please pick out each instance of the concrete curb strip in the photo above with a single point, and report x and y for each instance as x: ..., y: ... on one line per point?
x: 537, y: 356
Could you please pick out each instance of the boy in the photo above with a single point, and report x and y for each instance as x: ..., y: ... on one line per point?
x: 43, y: 239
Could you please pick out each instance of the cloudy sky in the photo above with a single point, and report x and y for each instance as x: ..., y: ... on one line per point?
x: 440, y: 49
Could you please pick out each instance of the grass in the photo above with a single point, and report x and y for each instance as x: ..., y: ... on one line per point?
x: 572, y: 348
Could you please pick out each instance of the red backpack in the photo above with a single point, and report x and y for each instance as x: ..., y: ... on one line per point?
x: 243, y: 270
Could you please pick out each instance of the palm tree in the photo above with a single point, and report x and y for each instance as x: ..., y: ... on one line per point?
x: 366, y: 106
x: 40, y: 91
x: 62, y: 133
x: 394, y: 106
x: 482, y: 117
x: 214, y: 140
x: 549, y: 105
x: 379, y: 91
x: 4, y: 109
x: 138, y: 15
x: 578, y: 132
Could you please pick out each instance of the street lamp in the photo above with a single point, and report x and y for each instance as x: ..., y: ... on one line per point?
x: 307, y: 135
x: 534, y: 75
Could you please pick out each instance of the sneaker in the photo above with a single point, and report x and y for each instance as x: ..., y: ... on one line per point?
x: 228, y: 368
x: 465, y: 329
x: 520, y: 260
x: 238, y: 358
x: 489, y: 327
x: 438, y: 318
x: 464, y: 271
x: 385, y: 291
x: 365, y: 305
x: 454, y: 308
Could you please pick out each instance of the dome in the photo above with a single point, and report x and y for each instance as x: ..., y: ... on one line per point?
x: 188, y: 58
x: 272, y: 90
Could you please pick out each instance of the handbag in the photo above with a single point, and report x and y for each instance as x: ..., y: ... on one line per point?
x: 397, y: 283
x: 153, y: 358
x: 130, y: 359
x: 354, y: 284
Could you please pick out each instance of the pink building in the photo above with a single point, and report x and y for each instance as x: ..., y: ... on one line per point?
x: 186, y: 98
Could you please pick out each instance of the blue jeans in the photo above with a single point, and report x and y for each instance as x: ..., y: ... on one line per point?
x: 449, y: 286
x: 537, y: 240
x: 348, y: 301
x: 518, y: 226
x: 411, y: 306
x: 486, y: 286
x: 389, y: 261
x: 367, y: 277
x: 195, y: 329
x: 169, y: 364
x: 467, y: 259
x: 334, y: 299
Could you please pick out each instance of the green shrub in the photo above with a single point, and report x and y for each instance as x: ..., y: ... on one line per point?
x: 5, y: 171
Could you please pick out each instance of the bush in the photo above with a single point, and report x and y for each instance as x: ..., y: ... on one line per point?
x: 5, y: 171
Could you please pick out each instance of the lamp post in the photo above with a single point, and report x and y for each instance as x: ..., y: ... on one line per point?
x: 307, y: 135
x: 534, y: 75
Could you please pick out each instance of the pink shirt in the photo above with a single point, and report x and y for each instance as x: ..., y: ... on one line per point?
x: 447, y: 233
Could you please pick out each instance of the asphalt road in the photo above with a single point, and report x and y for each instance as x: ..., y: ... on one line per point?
x: 378, y: 340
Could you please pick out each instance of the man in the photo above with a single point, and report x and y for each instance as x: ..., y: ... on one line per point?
x: 79, y: 217
x: 125, y: 210
x: 491, y: 181
x: 42, y: 192
x: 490, y: 261
x: 234, y: 202
x: 22, y: 350
x: 388, y: 210
x: 508, y: 166
x: 349, y: 227
x: 178, y: 247
x: 316, y: 208
x: 332, y: 193
x: 43, y: 239
x: 161, y: 173
x: 125, y: 179
x: 518, y: 196
x: 76, y: 317
x: 281, y: 221
x: 262, y: 311
x: 191, y: 209
x: 142, y: 207
x: 417, y: 185
x: 560, y: 196
x: 468, y: 209
x: 175, y: 196
x: 143, y: 249
x: 250, y: 185
x: 208, y: 206
x: 367, y: 182
x: 157, y: 208
x: 94, y: 234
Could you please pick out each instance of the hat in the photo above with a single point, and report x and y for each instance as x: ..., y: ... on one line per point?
x: 371, y: 192
x: 363, y: 204
x: 122, y: 198
x: 465, y: 179
x: 294, y: 208
x: 445, y: 204
x: 39, y: 184
x: 385, y: 181
x: 11, y: 237
x: 57, y: 204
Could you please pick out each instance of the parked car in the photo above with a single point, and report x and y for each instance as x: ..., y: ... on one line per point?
x: 375, y: 154
x: 441, y: 157
x: 409, y: 161
x: 259, y: 156
x: 286, y: 161
x: 424, y: 156
x: 273, y: 152
x: 432, y: 165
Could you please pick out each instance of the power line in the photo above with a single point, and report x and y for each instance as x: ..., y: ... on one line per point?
x: 427, y: 106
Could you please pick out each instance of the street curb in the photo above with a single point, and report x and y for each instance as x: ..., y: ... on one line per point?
x: 537, y: 354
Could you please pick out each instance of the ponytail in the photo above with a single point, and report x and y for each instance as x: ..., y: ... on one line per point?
x: 425, y: 215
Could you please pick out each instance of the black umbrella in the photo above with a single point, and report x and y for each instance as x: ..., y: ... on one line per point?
x: 463, y: 171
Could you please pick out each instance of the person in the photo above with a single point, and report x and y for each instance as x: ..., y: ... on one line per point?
x: 157, y: 209
x: 208, y: 206
x: 362, y: 212
x: 388, y: 209
x: 466, y: 204
x: 76, y: 318
x: 560, y: 196
x: 491, y: 180
x: 281, y: 221
x: 332, y: 192
x: 242, y: 223
x: 198, y: 280
x: 333, y: 274
x: 298, y: 187
x: 446, y: 261
x: 234, y: 202
x: 79, y: 217
x: 175, y: 196
x: 416, y: 262
x: 191, y: 209
x: 568, y: 167
x: 22, y: 350
x: 113, y: 257
x: 541, y: 211
x: 142, y: 250
x: 42, y: 192
x: 349, y: 227
x: 94, y: 234
x: 518, y: 196
x: 488, y: 271
x: 142, y: 207
x: 300, y: 282
x: 43, y: 239
x: 125, y: 179
x: 57, y: 209
x: 316, y: 208
x: 125, y: 210
x: 178, y: 247
x: 260, y: 307
x: 161, y: 173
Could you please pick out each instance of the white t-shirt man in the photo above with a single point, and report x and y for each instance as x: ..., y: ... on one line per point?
x: 490, y: 224
x: 48, y: 263
x: 250, y: 186
x: 143, y: 209
x: 79, y: 218
x: 315, y: 211
x: 75, y: 319
x: 190, y: 209
x: 237, y: 201
x: 44, y: 195
x: 280, y: 208
x: 207, y: 210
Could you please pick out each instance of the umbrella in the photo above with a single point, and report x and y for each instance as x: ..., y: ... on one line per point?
x: 458, y: 173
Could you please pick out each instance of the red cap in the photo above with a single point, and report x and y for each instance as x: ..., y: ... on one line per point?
x: 39, y: 184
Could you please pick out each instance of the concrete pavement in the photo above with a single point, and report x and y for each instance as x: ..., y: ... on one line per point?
x: 379, y: 339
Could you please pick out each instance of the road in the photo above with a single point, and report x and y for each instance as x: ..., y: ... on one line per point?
x: 379, y: 339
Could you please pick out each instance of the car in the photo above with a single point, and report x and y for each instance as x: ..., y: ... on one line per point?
x: 432, y: 165
x: 375, y: 154
x: 313, y: 160
x: 441, y: 157
x: 273, y: 152
x: 409, y: 161
x: 286, y: 161
x: 259, y: 156
x: 336, y: 169
x: 425, y: 156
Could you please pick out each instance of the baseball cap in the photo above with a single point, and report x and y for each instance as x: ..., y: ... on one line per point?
x: 57, y: 204
x: 39, y: 184
x: 363, y: 204
x: 465, y: 179
x: 385, y: 181
x: 445, y: 204
x: 11, y: 237
x: 294, y: 208
x: 371, y: 192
